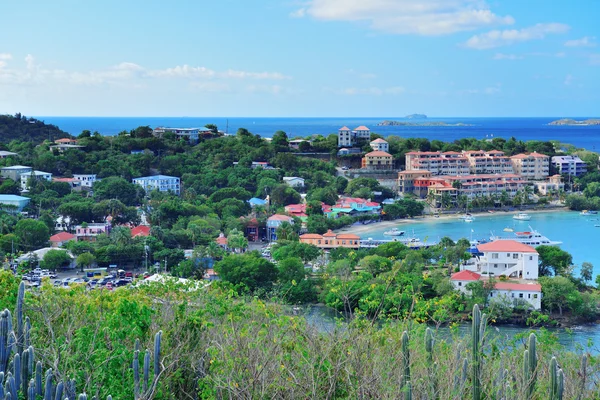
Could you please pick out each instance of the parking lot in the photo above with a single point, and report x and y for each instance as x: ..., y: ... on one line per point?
x: 93, y: 280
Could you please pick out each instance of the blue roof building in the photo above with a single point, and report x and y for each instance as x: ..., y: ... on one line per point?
x: 8, y: 202
x: 255, y: 201
x: 162, y: 183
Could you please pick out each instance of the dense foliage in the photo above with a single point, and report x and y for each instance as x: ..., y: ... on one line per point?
x: 22, y: 128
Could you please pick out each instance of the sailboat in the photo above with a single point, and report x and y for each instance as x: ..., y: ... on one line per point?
x: 467, y: 217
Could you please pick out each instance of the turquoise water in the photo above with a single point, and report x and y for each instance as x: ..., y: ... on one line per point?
x: 577, y: 232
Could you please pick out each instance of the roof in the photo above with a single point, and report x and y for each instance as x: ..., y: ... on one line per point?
x: 12, y: 197
x: 4, y: 153
x: 348, y: 236
x: 279, y: 217
x: 379, y: 140
x: 64, y: 180
x: 378, y: 153
x: 362, y: 128
x: 154, y: 177
x: 344, y: 128
x: 506, y: 246
x: 465, y: 275
x: 525, y: 287
x: 222, y: 240
x: 142, y: 230
x: 62, y: 237
x: 311, y: 236
x: 17, y: 167
x: 291, y: 178
x: 329, y: 233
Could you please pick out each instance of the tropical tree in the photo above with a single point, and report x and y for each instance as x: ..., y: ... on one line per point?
x: 85, y: 260
x: 237, y: 241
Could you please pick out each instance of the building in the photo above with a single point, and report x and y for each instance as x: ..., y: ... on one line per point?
x: 27, y: 177
x: 533, y: 166
x: 61, y: 238
x: 256, y: 202
x: 5, y: 154
x: 12, y: 203
x: 257, y: 164
x: 552, y: 185
x: 15, y: 172
x: 380, y: 145
x: 447, y: 163
x: 331, y: 240
x: 414, y: 182
x: 569, y: 165
x: 475, y: 186
x: 506, y: 258
x: 63, y: 147
x: 378, y: 160
x: 191, y: 134
x: 294, y: 181
x: 274, y: 222
x: 354, y: 206
x: 66, y: 141
x: 295, y: 144
x: 162, y: 183
x: 39, y: 256
x: 512, y: 292
x: 299, y: 210
x: 86, y: 180
x: 71, y: 181
x: 140, y: 231
x: 90, y: 232
x: 488, y: 162
x: 362, y: 132
x: 345, y: 137
x: 252, y: 229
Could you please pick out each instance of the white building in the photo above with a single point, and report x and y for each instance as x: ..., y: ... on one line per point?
x: 380, y: 145
x: 294, y: 181
x: 86, y: 180
x: 192, y: 134
x: 15, y: 172
x: 569, y: 165
x: 506, y: 257
x: 362, y: 132
x: 162, y: 183
x: 552, y: 185
x: 34, y: 175
x: 345, y: 137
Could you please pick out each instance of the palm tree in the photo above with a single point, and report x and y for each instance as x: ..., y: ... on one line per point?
x: 237, y: 241
x: 284, y: 231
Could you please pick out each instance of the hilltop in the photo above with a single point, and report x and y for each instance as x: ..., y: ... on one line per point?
x: 571, y: 122
x: 416, y: 116
x: 23, y: 128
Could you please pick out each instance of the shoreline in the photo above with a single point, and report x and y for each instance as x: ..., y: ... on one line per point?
x: 358, y: 229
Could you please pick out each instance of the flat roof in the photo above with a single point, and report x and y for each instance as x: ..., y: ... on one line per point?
x: 17, y: 167
x: 12, y: 197
x: 154, y: 177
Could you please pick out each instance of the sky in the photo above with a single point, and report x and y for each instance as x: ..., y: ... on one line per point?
x: 300, y: 58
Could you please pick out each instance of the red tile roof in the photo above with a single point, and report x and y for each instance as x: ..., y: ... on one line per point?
x: 142, y: 230
x: 311, y: 236
x: 378, y: 153
x: 465, y: 275
x: 362, y: 128
x: 65, y: 140
x: 379, y: 140
x: 62, y: 237
x: 222, y: 240
x: 329, y: 233
x: 525, y: 287
x: 279, y: 217
x: 68, y: 180
x: 344, y: 128
x: 510, y: 246
x: 348, y: 236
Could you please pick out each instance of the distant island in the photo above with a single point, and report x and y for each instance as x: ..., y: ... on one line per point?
x: 431, y: 123
x: 416, y: 116
x: 572, y: 122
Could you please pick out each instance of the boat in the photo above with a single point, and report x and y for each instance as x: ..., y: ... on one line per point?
x: 522, y: 217
x: 468, y: 219
x: 394, y: 232
x: 507, y: 229
x: 531, y: 238
x: 588, y: 212
x: 465, y: 216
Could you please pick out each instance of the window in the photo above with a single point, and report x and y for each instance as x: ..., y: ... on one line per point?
x: 512, y: 295
x: 521, y: 295
x: 459, y: 283
x: 529, y: 295
x: 508, y: 255
x: 535, y: 295
x: 494, y: 255
x: 530, y: 258
x: 515, y: 256
x: 495, y: 265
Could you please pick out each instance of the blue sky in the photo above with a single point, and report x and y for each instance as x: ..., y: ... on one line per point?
x: 300, y: 58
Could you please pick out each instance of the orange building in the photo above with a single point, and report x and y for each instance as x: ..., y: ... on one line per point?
x: 378, y: 160
x: 331, y: 240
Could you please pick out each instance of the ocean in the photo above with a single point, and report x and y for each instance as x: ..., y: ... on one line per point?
x: 587, y: 137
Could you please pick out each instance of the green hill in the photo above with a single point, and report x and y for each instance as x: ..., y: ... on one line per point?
x: 27, y: 129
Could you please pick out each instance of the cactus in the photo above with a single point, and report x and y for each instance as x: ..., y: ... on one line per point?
x: 157, y: 340
x: 82, y: 396
x: 429, y: 345
x: 136, y: 372
x: 530, y: 367
x: 58, y: 393
x: 1, y: 386
x: 146, y: 370
x: 477, y: 332
x: 26, y: 339
x: 408, y: 391
x: 31, y: 390
x: 553, y: 378
x: 38, y: 379
x: 19, y: 312
x: 10, y: 384
x: 405, y: 359
x: 24, y: 375
x: 560, y: 385
x: 432, y: 368
x: 48, y: 385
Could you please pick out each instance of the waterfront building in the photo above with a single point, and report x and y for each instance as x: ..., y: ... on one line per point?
x: 569, y: 165
x: 89, y: 232
x: 488, y: 162
x: 533, y: 166
x: 27, y: 177
x: 447, y: 163
x: 15, y: 172
x: 553, y: 184
x: 380, y: 145
x: 414, y: 182
x: 274, y: 222
x: 506, y: 258
x: 162, y: 183
x: 12, y: 203
x: 354, y: 206
x: 294, y: 181
x: 378, y: 160
x: 347, y: 137
x: 475, y: 186
x: 331, y: 240
x: 61, y: 238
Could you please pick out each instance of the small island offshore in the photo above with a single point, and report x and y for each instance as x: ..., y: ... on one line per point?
x: 572, y: 122
x: 429, y: 123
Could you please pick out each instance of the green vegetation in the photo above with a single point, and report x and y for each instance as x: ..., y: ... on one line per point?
x: 23, y: 128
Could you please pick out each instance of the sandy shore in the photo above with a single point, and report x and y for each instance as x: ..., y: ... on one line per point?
x: 358, y: 229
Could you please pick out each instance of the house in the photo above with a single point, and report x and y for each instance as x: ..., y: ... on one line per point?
x: 380, y: 145
x: 39, y: 256
x: 162, y: 183
x: 140, y: 231
x: 71, y: 181
x: 330, y: 240
x: 414, y: 182
x: 86, y: 180
x: 62, y: 223
x: 191, y: 134
x: 211, y: 275
x: 5, y: 154
x: 438, y: 163
x: 295, y: 144
x: 15, y: 172
x: 294, y: 181
x: 533, y: 166
x: 256, y: 202
x: 378, y: 160
x: 553, y: 184
x: 258, y: 164
x: 89, y: 232
x: 63, y: 147
x: 252, y: 229
x: 27, y: 177
x: 362, y: 132
x: 354, y: 206
x: 506, y: 258
x: 66, y: 141
x: 345, y: 137
x: 274, y: 222
x: 569, y: 165
x: 61, y: 238
x: 13, y: 204
x: 222, y: 241
x: 513, y: 292
x: 299, y: 210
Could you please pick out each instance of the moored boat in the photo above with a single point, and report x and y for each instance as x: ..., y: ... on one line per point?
x: 588, y: 212
x: 531, y: 238
x: 394, y: 232
x: 522, y: 217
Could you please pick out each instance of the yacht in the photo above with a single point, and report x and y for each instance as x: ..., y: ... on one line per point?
x: 588, y: 212
x: 522, y: 217
x: 531, y: 238
x: 394, y: 232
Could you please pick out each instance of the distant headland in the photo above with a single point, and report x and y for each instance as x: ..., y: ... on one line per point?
x: 572, y: 122
x: 416, y: 116
x: 429, y: 123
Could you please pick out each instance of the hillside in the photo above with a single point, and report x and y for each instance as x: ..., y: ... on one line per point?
x: 27, y: 129
x: 572, y: 122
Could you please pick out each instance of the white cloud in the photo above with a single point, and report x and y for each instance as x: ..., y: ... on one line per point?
x: 490, y: 90
x: 568, y: 79
x: 187, y: 71
x: 361, y: 75
x: 373, y: 91
x: 595, y: 59
x: 507, y: 37
x: 5, y: 56
x: 423, y: 17
x: 501, y: 56
x: 586, y: 41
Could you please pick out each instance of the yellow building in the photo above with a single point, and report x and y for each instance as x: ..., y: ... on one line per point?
x: 533, y: 166
x: 378, y: 160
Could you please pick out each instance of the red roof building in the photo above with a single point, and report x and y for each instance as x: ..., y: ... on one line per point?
x: 465, y: 275
x: 61, y: 238
x: 140, y: 231
x: 505, y: 246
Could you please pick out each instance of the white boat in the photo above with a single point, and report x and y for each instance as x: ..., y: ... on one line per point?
x: 394, y: 232
x: 465, y: 216
x: 468, y: 219
x: 507, y: 229
x: 522, y: 217
x: 531, y: 238
x: 588, y: 212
